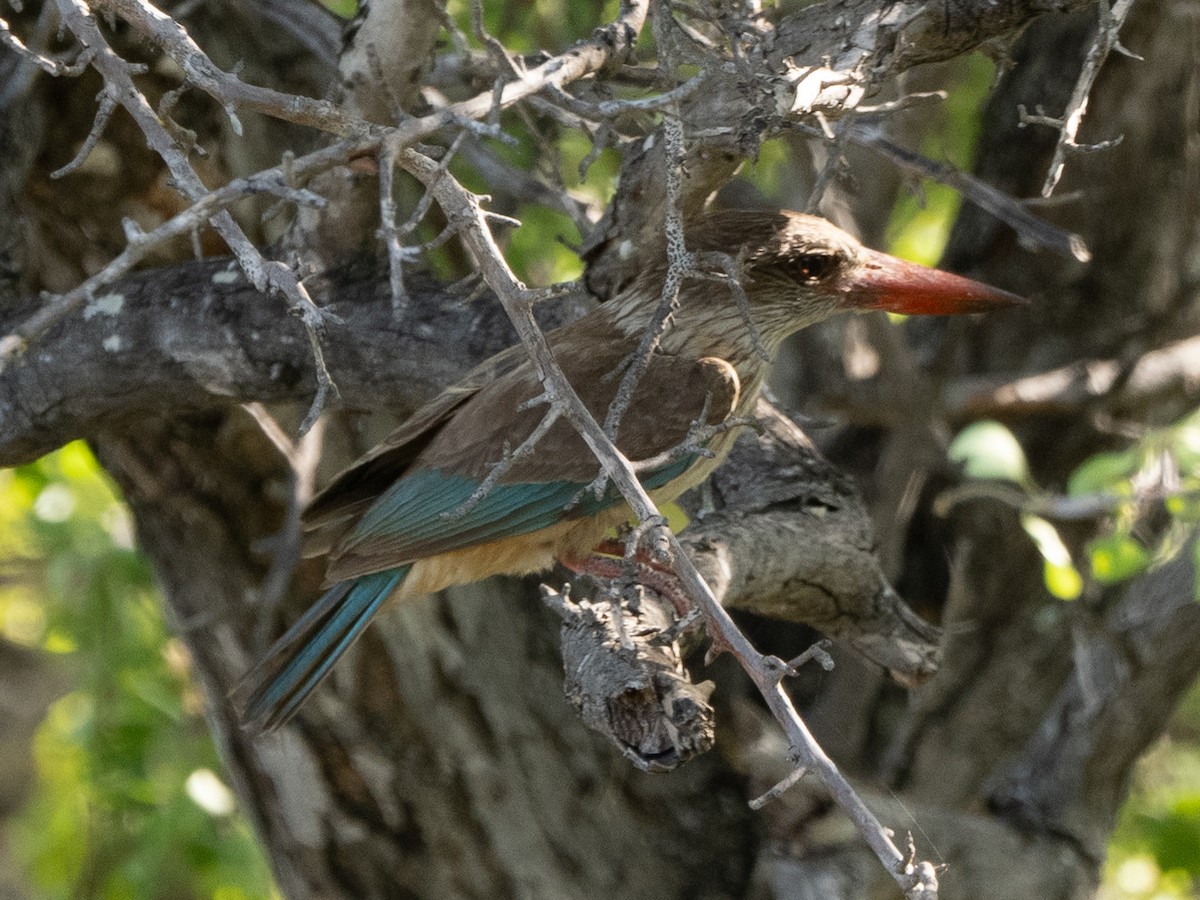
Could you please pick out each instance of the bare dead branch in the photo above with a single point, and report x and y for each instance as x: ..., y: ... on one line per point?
x: 1031, y: 229
x: 1107, y: 37
x: 1051, y: 506
x: 107, y: 105
x: 118, y: 79
x: 47, y: 64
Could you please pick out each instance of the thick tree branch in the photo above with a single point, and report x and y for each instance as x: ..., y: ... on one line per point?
x: 1167, y: 377
x: 199, y: 336
x: 788, y: 537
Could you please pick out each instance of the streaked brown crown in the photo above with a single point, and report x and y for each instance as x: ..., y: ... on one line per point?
x: 784, y: 245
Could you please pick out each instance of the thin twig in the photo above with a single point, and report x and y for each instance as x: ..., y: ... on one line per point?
x: 302, y: 457
x: 264, y: 275
x: 387, y: 227
x: 818, y: 652
x: 610, y: 109
x: 509, y: 459
x: 782, y: 787
x: 731, y: 277
x: 107, y: 105
x: 679, y: 261
x: 1085, y: 508
x: 47, y: 64
x: 695, y: 442
x: 836, y: 148
x: 1014, y: 213
x: 1107, y: 38
x: 394, y: 235
x: 509, y: 66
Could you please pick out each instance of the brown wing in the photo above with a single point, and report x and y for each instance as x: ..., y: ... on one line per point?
x: 419, y: 518
x: 468, y: 428
x: 347, y: 496
x: 672, y: 395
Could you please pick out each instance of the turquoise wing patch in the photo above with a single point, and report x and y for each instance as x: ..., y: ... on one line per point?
x: 425, y: 513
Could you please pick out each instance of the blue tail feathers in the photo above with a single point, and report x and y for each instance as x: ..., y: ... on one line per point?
x: 300, y: 660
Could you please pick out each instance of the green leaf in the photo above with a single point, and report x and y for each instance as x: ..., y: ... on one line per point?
x: 1063, y: 582
x: 1116, y: 557
x: 1185, y: 509
x: 1103, y: 472
x: 108, y: 816
x: 1059, y: 573
x: 989, y: 450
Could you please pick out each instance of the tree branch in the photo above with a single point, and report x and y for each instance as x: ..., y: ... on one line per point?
x: 1128, y: 676
x: 198, y: 336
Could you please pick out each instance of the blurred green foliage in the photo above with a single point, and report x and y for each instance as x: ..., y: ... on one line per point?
x: 1155, y: 851
x: 1163, y: 466
x: 1160, y: 470
x: 921, y: 219
x: 127, y: 803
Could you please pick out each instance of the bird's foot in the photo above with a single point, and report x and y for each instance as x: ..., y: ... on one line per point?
x: 716, y: 646
x: 662, y: 581
x: 643, y: 570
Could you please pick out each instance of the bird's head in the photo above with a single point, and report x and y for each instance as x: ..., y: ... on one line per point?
x: 800, y: 269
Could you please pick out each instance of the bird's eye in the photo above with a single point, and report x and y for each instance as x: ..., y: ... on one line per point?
x: 812, y: 267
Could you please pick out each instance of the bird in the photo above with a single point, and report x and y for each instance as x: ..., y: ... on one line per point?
x: 447, y: 500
